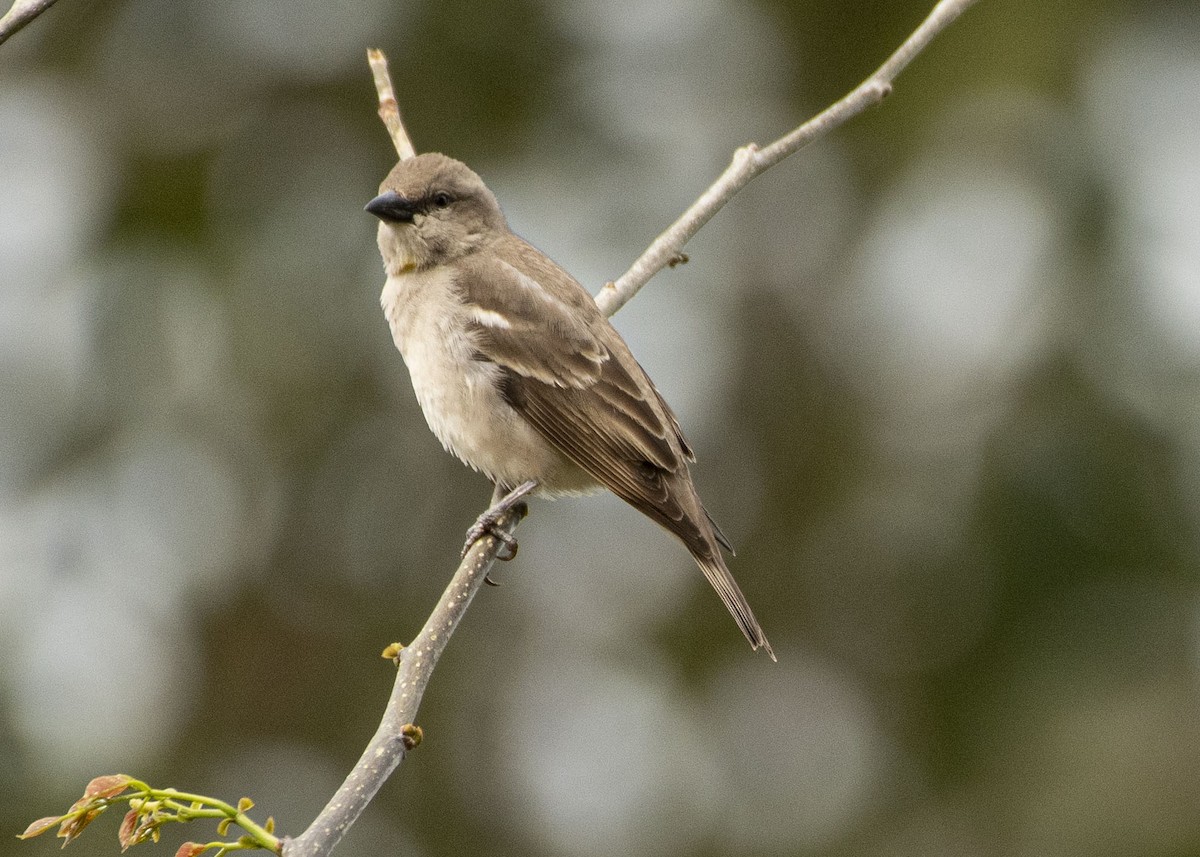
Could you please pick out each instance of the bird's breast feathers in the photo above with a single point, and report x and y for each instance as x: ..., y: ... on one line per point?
x: 458, y: 392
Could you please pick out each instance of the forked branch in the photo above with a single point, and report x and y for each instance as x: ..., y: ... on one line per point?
x: 416, y: 662
x: 396, y: 734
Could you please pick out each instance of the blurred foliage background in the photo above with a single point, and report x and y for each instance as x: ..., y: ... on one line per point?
x: 941, y: 370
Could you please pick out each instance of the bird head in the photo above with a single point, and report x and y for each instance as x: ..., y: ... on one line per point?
x: 433, y: 210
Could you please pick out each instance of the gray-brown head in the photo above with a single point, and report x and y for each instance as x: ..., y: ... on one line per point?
x: 432, y: 210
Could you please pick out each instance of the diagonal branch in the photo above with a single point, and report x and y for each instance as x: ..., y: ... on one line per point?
x: 396, y: 733
x: 20, y: 14
x: 750, y: 160
x: 389, y: 109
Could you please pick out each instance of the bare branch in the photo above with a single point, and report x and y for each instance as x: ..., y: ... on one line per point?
x: 750, y: 160
x: 389, y: 110
x: 21, y: 13
x: 394, y: 737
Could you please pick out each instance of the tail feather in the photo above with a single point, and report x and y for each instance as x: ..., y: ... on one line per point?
x: 704, y: 539
x: 722, y: 581
x: 720, y: 536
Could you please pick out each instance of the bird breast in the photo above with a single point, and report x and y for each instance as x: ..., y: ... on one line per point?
x: 459, y: 394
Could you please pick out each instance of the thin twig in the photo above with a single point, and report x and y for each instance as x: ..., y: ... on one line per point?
x: 750, y: 160
x: 393, y: 737
x: 20, y: 14
x: 389, y: 109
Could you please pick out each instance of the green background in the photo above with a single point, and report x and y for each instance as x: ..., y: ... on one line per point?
x: 940, y: 370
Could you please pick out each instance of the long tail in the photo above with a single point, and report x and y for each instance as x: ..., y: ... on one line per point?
x: 718, y: 575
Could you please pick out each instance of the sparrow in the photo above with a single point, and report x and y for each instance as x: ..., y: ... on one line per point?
x: 521, y: 376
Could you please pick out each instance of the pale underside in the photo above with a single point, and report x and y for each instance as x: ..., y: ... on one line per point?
x: 459, y: 394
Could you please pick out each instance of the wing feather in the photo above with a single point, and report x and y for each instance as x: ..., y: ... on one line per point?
x: 580, y: 387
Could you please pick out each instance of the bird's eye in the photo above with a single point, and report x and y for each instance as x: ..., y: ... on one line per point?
x: 442, y: 199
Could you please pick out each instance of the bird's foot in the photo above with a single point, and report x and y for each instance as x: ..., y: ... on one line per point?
x: 485, y: 524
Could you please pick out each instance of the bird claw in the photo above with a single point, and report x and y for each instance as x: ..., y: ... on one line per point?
x: 486, y: 526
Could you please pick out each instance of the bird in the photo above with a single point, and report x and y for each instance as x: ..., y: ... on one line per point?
x: 521, y: 376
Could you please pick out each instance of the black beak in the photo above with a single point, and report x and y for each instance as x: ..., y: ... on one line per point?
x: 391, y: 207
